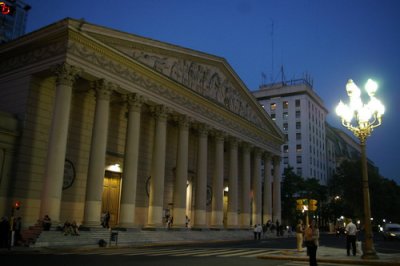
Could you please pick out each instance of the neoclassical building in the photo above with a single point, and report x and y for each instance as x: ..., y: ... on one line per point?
x: 110, y: 121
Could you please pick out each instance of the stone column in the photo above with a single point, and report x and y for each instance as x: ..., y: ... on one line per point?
x: 57, y: 145
x: 217, y: 214
x: 131, y: 160
x: 156, y: 197
x: 201, y: 179
x: 257, y: 186
x: 233, y: 185
x: 245, y: 212
x: 267, y: 188
x: 276, y: 212
x: 95, y: 179
x: 179, y: 211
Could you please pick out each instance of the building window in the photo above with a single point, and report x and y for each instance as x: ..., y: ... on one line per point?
x: 298, y: 125
x: 273, y: 116
x: 298, y: 147
x: 285, y: 148
x: 285, y: 126
x: 297, y: 103
x: 298, y: 159
x: 273, y: 106
x: 285, y: 105
x: 298, y: 114
x: 286, y: 137
x: 285, y: 115
x: 285, y: 160
x: 299, y: 171
x: 298, y: 136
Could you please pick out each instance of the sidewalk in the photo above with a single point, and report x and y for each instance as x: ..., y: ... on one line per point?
x: 334, y: 255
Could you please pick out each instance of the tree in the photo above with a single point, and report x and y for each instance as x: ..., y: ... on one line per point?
x: 292, y: 186
x: 347, y: 185
x: 295, y: 187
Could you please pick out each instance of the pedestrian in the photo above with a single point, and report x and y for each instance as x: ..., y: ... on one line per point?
x: 351, y: 234
x: 46, y: 223
x: 4, y: 233
x: 277, y: 228
x: 299, y: 235
x: 105, y: 219
x: 311, y: 240
x: 259, y: 231
x: 255, y: 232
x: 17, y: 231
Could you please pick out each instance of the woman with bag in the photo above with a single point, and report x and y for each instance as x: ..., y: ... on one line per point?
x: 311, y: 237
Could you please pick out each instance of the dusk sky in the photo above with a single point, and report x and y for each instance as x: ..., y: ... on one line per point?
x: 330, y: 41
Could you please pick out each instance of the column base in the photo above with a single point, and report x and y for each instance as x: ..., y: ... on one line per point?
x: 154, y: 228
x: 200, y: 227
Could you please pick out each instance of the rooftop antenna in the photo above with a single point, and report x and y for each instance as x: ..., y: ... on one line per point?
x: 283, y: 74
x: 263, y: 79
x: 272, y: 49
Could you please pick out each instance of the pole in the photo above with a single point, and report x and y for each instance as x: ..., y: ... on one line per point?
x: 368, y: 248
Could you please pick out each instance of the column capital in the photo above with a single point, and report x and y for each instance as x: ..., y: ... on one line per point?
x: 160, y: 112
x: 276, y: 159
x: 134, y: 101
x: 257, y: 151
x: 233, y: 141
x: 184, y: 121
x: 267, y: 155
x: 103, y: 88
x: 219, y: 135
x: 202, y: 129
x: 66, y: 74
x: 246, y: 146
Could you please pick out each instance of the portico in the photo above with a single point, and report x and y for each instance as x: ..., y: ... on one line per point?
x: 179, y: 122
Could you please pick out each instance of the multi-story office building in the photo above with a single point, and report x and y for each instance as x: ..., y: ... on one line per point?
x: 13, y: 19
x: 300, y: 113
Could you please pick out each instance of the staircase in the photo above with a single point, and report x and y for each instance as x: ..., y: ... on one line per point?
x: 133, y: 237
x: 30, y: 235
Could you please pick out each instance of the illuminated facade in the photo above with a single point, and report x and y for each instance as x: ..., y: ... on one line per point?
x: 115, y: 122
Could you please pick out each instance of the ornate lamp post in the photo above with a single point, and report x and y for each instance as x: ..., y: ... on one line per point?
x: 361, y: 119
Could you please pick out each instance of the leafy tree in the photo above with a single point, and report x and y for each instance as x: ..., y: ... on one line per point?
x: 347, y: 185
x: 292, y: 186
x: 295, y: 187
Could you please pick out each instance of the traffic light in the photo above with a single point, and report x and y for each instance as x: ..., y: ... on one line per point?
x: 17, y: 205
x: 312, y: 205
x: 299, y: 205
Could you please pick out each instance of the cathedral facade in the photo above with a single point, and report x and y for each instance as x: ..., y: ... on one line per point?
x: 145, y: 130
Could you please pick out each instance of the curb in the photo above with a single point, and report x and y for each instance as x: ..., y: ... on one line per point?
x: 339, y: 261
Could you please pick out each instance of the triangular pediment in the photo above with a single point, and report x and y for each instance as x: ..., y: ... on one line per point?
x: 209, y: 76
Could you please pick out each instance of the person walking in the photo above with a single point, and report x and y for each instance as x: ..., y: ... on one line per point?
x: 311, y: 240
x: 299, y: 235
x: 351, y: 234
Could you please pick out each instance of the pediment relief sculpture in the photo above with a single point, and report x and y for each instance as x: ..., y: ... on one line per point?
x: 206, y: 80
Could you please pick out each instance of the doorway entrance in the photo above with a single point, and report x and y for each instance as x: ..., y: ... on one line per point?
x: 111, y: 196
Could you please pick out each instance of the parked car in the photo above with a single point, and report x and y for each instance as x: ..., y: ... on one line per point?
x: 391, y: 231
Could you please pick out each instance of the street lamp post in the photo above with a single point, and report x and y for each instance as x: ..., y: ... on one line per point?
x: 361, y: 119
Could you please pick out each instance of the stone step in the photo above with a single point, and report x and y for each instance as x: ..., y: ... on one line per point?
x: 132, y: 237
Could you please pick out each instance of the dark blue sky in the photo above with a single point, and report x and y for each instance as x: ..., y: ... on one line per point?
x: 331, y: 41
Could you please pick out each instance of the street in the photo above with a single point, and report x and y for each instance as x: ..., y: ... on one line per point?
x: 243, y: 253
